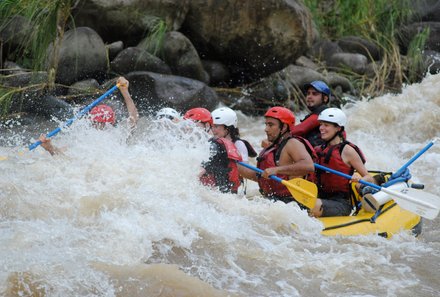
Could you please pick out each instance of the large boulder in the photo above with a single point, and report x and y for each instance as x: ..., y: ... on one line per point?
x: 82, y: 55
x: 137, y: 59
x: 359, y: 45
x: 150, y: 91
x: 128, y: 20
x: 262, y: 36
x: 16, y: 32
x: 182, y: 57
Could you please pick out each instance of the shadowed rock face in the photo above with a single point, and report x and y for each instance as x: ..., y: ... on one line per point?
x: 82, y: 55
x: 151, y: 90
x: 128, y: 20
x: 255, y: 35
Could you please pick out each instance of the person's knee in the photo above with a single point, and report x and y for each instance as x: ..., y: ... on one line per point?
x: 317, y: 210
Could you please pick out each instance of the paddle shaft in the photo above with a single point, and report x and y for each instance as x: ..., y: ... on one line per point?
x: 306, y: 197
x: 274, y: 177
x: 390, y: 192
x: 415, y: 157
x: 78, y: 115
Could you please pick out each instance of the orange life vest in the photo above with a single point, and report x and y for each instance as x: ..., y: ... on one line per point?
x: 330, y: 156
x: 269, y: 157
x: 225, y: 176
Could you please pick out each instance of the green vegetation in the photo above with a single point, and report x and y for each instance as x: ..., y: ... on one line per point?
x: 155, y: 35
x: 377, y: 21
x: 44, y: 22
x: 41, y: 25
x: 43, y: 18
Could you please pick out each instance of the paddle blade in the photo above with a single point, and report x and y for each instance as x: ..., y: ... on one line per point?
x: 419, y: 202
x: 303, y: 191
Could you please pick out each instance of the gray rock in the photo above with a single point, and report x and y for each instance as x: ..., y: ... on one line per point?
x: 84, y: 86
x: 23, y: 79
x: 114, y: 48
x: 16, y: 32
x: 355, y: 62
x: 257, y: 35
x: 137, y: 59
x: 82, y: 55
x: 323, y: 50
x: 359, y: 45
x: 217, y: 72
x: 182, y: 57
x: 408, y: 32
x: 150, y: 91
x: 128, y: 20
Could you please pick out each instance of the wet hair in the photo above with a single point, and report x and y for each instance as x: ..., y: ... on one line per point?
x: 233, y: 132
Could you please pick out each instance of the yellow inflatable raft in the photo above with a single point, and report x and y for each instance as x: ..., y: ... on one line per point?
x: 388, y: 220
x: 391, y: 219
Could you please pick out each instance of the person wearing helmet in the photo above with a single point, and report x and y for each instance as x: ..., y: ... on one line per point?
x: 339, y: 154
x: 221, y: 170
x: 201, y: 116
x: 225, y: 124
x: 169, y: 114
x: 287, y: 156
x: 102, y: 115
x: 317, y: 97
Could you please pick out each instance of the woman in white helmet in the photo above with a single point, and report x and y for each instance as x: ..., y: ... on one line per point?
x: 339, y: 154
x: 225, y: 124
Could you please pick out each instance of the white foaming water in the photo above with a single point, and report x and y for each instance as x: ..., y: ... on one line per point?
x: 109, y: 218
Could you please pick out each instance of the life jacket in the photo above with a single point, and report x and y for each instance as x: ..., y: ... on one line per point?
x: 251, y: 151
x: 331, y: 157
x: 215, y: 177
x: 269, y: 157
x: 314, y: 135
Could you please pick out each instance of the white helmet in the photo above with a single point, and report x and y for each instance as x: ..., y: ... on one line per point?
x: 169, y: 113
x: 333, y: 115
x: 224, y: 116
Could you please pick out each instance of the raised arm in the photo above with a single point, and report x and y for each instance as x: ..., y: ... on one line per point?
x: 132, y: 110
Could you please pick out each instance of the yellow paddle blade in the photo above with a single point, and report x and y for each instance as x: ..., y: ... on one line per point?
x: 2, y: 158
x: 303, y: 191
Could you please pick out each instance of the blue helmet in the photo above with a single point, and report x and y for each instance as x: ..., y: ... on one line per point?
x: 320, y: 86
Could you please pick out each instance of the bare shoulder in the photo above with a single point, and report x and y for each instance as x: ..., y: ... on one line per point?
x: 296, y: 148
x: 349, y: 151
x: 294, y: 143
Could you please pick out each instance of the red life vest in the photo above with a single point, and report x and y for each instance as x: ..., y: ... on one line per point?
x: 269, y: 157
x: 330, y: 156
x: 232, y: 179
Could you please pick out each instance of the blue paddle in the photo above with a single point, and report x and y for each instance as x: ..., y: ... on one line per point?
x: 409, y: 199
x: 303, y: 191
x: 415, y: 157
x: 77, y: 116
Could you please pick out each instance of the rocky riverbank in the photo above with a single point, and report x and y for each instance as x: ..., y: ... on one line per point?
x: 247, y: 54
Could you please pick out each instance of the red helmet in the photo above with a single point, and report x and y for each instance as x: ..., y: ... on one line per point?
x: 103, y: 114
x: 283, y: 114
x: 199, y: 114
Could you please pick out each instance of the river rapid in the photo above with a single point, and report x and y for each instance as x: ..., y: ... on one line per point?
x: 117, y: 218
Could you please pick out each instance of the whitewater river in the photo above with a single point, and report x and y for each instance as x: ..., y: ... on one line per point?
x: 111, y: 218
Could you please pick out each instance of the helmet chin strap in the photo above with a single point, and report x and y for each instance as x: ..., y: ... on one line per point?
x: 280, y: 135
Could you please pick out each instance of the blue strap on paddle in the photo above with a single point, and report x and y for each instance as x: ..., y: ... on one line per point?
x: 77, y: 116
